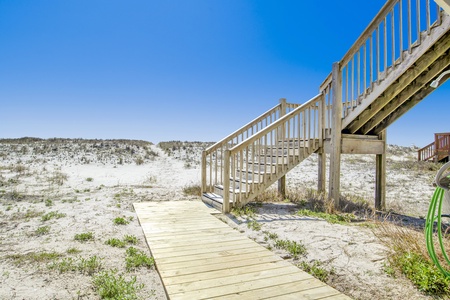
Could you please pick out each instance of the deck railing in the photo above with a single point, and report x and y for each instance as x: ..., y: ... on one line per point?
x: 437, y: 150
x: 213, y: 157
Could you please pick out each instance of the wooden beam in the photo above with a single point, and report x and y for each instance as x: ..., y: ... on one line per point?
x: 380, y: 176
x: 322, y: 169
x: 335, y: 157
x: 404, y: 81
x: 407, y: 105
x: 359, y: 146
x: 408, y: 92
x: 403, y: 109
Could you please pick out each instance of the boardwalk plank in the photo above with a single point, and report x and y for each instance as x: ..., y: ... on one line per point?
x: 200, y: 257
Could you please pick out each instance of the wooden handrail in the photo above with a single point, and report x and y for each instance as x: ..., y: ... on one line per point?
x: 397, y: 28
x: 213, y: 157
x: 295, y: 135
x: 426, y: 152
x: 437, y: 150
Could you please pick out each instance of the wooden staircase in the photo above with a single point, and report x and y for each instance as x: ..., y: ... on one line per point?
x: 437, y: 151
x: 385, y: 73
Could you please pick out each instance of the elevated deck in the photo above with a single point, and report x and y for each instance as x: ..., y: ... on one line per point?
x: 200, y: 257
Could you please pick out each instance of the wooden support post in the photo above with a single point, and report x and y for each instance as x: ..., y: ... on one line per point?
x: 226, y: 183
x: 282, y: 187
x: 281, y: 135
x: 336, y: 135
x: 380, y: 176
x: 204, y: 189
x: 322, y: 157
x: 322, y: 164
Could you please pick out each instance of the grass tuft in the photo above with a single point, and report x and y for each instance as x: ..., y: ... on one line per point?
x: 120, y: 221
x: 84, y: 237
x: 137, y: 258
x: 110, y: 285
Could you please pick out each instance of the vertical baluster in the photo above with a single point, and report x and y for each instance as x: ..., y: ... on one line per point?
x: 241, y: 167
x: 400, y: 9
x: 359, y: 76
x: 378, y: 53
x: 304, y: 133
x: 393, y: 37
x: 385, y: 46
x: 365, y: 68
x: 216, y: 166
x: 419, y: 38
x: 253, y: 174
x: 309, y: 129
x: 210, y: 170
x: 346, y: 89
x: 353, y: 82
x: 371, y: 61
x: 427, y: 8
x: 409, y: 27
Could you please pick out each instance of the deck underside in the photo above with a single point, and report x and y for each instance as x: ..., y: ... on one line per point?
x: 200, y: 257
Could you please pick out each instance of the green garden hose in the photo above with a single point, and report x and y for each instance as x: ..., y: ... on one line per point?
x: 434, y: 218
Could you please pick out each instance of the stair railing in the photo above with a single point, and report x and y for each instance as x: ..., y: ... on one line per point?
x: 213, y: 157
x: 437, y: 150
x: 399, y: 27
x: 293, y: 137
x: 427, y: 152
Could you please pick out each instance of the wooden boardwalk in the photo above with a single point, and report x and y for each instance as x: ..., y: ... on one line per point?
x: 200, y: 257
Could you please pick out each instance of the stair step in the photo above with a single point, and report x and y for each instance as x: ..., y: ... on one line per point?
x: 218, y: 189
x: 252, y: 176
x: 213, y: 200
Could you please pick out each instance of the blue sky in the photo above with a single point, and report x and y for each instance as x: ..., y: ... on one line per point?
x: 175, y: 69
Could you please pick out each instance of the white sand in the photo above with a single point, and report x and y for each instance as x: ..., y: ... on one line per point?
x: 353, y: 252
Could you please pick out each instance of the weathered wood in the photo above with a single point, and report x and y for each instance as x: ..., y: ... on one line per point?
x: 281, y: 133
x: 360, y: 146
x: 335, y: 157
x: 413, y: 87
x: 380, y: 176
x: 403, y: 109
x: 217, y: 262
x: 410, y: 59
x: 399, y: 85
x: 322, y: 170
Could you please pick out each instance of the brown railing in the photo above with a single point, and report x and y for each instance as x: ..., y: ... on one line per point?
x: 438, y: 150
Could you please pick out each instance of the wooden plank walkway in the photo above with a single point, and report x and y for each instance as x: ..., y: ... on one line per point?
x: 200, y: 257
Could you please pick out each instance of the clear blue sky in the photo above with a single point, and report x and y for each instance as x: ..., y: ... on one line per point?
x: 175, y: 69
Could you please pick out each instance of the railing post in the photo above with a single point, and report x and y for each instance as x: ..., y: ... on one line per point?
x: 322, y: 157
x: 336, y: 135
x: 436, y: 147
x: 204, y: 172
x: 226, y: 183
x: 380, y: 177
x: 281, y: 133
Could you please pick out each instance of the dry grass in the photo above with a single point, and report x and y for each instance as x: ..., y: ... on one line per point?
x: 409, y: 257
x: 313, y: 200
